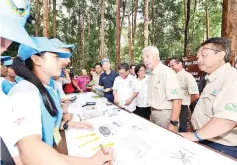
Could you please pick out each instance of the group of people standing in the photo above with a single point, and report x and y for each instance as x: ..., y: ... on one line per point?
x: 31, y: 110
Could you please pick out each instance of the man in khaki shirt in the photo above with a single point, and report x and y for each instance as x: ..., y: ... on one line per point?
x: 95, y: 81
x: 215, y: 115
x: 164, y: 95
x: 189, y: 90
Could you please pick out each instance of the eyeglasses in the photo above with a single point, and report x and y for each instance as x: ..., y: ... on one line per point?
x: 205, y: 55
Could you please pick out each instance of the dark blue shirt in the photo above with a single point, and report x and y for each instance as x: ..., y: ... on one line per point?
x: 107, y: 81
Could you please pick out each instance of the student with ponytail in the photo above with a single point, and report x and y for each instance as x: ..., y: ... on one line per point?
x: 37, y: 110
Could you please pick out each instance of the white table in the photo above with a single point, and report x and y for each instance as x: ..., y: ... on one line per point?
x: 135, y: 140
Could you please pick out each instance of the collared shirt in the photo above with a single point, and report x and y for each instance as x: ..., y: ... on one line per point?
x: 142, y: 97
x: 163, y: 87
x: 219, y: 100
x: 125, y: 89
x: 188, y: 86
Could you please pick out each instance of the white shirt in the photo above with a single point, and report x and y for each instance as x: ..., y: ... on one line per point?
x: 7, y: 130
x: 59, y: 85
x: 26, y: 108
x: 125, y: 89
x: 142, y: 97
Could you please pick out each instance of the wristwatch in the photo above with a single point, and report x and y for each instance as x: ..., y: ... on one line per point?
x: 65, y: 125
x: 174, y: 122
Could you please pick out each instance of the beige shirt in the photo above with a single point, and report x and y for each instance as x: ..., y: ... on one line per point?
x: 219, y: 100
x: 188, y: 86
x: 95, y: 81
x: 163, y: 87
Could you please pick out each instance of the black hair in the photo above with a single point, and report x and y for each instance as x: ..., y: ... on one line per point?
x: 221, y: 44
x: 132, y: 66
x: 138, y: 67
x: 178, y: 60
x: 24, y: 69
x: 98, y: 63
x: 124, y: 66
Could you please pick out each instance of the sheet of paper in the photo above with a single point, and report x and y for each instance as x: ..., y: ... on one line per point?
x: 139, y: 142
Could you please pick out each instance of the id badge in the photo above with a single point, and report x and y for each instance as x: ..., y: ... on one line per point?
x: 57, y: 136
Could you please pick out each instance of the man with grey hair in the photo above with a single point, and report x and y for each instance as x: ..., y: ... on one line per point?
x: 164, y: 95
x: 215, y: 115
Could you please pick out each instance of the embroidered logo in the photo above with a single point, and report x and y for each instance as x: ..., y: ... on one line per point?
x: 231, y: 107
x: 175, y: 91
x: 214, y: 92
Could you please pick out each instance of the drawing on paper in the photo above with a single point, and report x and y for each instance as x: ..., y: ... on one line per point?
x: 117, y: 123
x: 184, y: 155
x: 141, y: 128
x: 104, y: 131
x: 140, y: 150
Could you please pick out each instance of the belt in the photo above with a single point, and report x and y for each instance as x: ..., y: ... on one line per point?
x: 153, y: 109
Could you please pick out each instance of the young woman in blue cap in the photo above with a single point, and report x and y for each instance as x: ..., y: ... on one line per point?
x: 36, y: 106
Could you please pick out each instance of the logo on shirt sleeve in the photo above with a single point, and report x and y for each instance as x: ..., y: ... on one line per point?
x: 175, y: 91
x: 231, y: 107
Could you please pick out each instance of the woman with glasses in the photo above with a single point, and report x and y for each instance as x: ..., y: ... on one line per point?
x: 142, y: 108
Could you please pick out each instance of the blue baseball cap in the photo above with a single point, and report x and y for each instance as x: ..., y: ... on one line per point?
x: 8, y: 62
x: 13, y: 16
x: 44, y: 45
x: 59, y: 44
x: 5, y: 58
x: 104, y: 60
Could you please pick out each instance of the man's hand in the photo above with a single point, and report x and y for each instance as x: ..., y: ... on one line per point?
x: 107, y: 89
x: 189, y: 135
x: 128, y: 101
x: 172, y: 128
x: 116, y: 100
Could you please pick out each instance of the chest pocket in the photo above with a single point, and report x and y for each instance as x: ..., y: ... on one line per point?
x: 208, y: 101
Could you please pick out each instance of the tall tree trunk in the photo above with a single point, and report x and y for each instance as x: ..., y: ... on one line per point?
x: 134, y: 28
x: 207, y: 22
x: 229, y: 26
x: 102, y: 30
x: 118, y: 33
x: 131, y: 58
x: 83, y: 40
x: 46, y: 19
x: 54, y: 18
x: 185, y: 13
x: 89, y: 26
x: 37, y: 18
x: 186, y: 47
x: 146, y: 23
x: 153, y: 21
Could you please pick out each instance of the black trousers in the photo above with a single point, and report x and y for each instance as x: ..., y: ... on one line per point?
x: 183, y: 118
x: 143, y: 112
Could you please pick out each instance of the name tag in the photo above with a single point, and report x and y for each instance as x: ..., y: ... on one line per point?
x: 57, y: 136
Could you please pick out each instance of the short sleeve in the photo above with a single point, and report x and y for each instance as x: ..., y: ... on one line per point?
x: 115, y: 86
x: 225, y: 105
x: 172, y: 86
x: 6, y: 125
x: 192, y: 85
x: 26, y: 105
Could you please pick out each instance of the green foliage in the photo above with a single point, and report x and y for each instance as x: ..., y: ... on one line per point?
x: 166, y: 28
